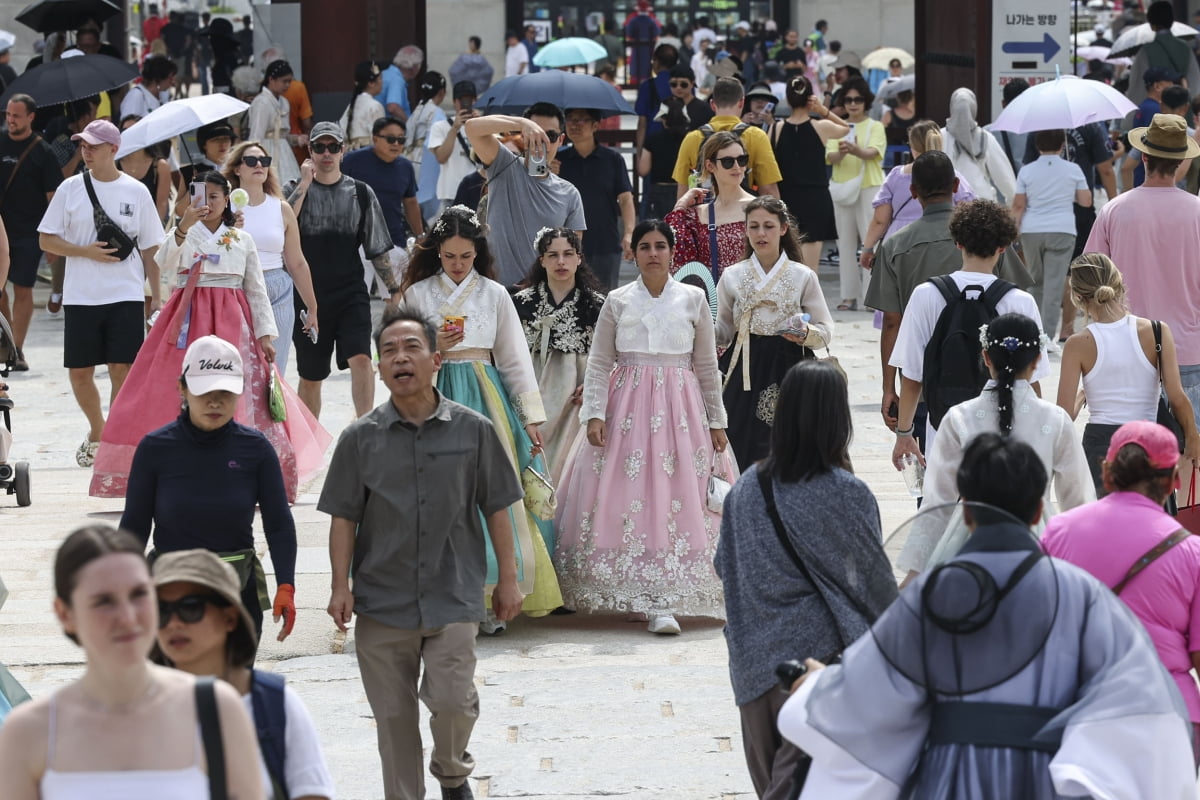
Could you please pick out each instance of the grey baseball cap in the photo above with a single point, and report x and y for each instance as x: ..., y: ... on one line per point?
x: 331, y: 129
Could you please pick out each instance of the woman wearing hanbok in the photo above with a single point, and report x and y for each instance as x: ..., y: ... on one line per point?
x: 1008, y: 405
x: 364, y: 109
x: 1001, y: 674
x: 486, y: 367
x: 719, y: 201
x: 219, y: 291
x: 558, y: 311
x: 759, y: 325
x: 268, y: 119
x: 635, y: 532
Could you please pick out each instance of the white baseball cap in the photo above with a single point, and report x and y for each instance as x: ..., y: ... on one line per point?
x: 212, y: 364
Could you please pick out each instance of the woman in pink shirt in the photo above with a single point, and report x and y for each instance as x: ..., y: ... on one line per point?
x: 1110, y: 537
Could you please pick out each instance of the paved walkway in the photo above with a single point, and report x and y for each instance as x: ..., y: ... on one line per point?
x: 572, y: 706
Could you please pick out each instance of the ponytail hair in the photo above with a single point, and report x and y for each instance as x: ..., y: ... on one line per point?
x: 364, y: 73
x: 1012, y: 342
x: 925, y: 136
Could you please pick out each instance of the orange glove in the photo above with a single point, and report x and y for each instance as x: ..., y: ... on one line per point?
x: 285, y: 606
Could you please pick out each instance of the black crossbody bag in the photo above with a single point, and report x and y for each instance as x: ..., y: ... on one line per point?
x: 106, y: 230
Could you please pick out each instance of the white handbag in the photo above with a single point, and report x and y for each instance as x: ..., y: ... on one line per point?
x: 718, y: 487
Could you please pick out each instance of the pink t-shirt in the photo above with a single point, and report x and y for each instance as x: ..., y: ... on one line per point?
x: 1105, y: 538
x: 1152, y: 234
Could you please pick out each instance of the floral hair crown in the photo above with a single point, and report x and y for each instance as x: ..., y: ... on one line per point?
x: 537, y: 237
x: 441, y: 228
x: 1010, y: 343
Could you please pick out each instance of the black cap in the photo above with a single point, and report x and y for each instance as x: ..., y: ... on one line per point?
x: 465, y: 89
x: 213, y: 130
x: 683, y: 71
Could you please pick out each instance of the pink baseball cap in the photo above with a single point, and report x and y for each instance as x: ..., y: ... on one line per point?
x: 1160, y: 444
x: 100, y: 131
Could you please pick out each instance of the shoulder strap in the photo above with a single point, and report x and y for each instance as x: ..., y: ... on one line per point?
x: 739, y: 128
x: 995, y: 293
x: 946, y: 285
x: 210, y: 735
x: 714, y: 253
x: 364, y: 202
x: 766, y: 483
x: 1156, y: 326
x: 17, y: 168
x: 270, y: 721
x: 87, y: 184
x: 1146, y: 560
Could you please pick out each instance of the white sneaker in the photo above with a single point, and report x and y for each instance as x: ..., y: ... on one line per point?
x: 492, y: 626
x: 664, y: 623
x: 85, y: 456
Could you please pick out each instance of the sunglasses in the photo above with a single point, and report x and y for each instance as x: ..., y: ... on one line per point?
x: 256, y: 161
x: 320, y: 148
x: 553, y: 135
x: 390, y: 139
x: 190, y: 608
x: 727, y: 162
x: 680, y: 84
x: 854, y: 99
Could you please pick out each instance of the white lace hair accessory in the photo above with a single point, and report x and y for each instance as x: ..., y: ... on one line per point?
x: 537, y: 237
x: 1011, y: 343
x: 460, y: 211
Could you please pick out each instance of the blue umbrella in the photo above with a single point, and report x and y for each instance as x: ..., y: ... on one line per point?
x: 563, y: 89
x: 569, y: 52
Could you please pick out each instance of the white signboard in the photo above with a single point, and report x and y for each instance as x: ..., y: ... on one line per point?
x: 1030, y: 39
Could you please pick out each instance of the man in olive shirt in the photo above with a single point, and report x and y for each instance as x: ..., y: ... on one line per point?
x: 917, y: 252
x: 406, y: 488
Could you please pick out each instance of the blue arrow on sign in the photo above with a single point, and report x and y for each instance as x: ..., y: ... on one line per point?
x: 1047, y: 47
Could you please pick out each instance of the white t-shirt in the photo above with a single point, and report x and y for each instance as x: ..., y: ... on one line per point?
x: 128, y: 203
x: 1049, y: 185
x: 925, y: 306
x: 457, y: 167
x: 304, y: 762
x: 514, y: 58
x: 138, y: 100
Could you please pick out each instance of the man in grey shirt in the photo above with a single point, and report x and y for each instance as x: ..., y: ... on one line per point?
x: 917, y: 252
x: 406, y: 488
x: 523, y: 204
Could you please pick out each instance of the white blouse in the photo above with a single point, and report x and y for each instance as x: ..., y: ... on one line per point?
x: 491, y: 324
x: 677, y: 322
x: 1044, y: 426
x: 232, y: 264
x: 269, y: 121
x: 366, y: 110
x: 769, y: 299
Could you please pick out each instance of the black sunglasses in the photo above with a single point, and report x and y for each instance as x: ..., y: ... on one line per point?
x: 553, y: 135
x: 332, y: 147
x: 190, y: 608
x: 727, y: 162
x: 390, y: 139
x: 257, y: 161
x: 853, y: 99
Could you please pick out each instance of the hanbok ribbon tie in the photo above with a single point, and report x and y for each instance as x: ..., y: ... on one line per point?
x: 178, y: 330
x: 741, y: 345
x: 545, y: 325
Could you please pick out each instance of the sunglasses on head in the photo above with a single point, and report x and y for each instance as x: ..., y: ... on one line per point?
x: 680, y: 84
x: 727, y: 162
x: 853, y: 99
x: 332, y: 147
x: 190, y: 608
x: 390, y: 139
x: 256, y: 161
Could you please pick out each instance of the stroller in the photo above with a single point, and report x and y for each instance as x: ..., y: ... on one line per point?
x: 14, y: 478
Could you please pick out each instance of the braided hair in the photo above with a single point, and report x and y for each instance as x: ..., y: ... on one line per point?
x: 364, y: 73
x: 1013, y: 343
x: 454, y: 221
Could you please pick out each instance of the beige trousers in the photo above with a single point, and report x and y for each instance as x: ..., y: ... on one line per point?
x: 389, y: 660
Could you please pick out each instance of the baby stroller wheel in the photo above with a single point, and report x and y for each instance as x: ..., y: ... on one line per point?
x: 21, y: 483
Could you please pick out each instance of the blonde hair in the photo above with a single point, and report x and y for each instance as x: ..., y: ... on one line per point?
x: 234, y: 160
x: 924, y: 136
x: 1094, y: 278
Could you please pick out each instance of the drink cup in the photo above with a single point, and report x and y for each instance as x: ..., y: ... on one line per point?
x: 914, y: 475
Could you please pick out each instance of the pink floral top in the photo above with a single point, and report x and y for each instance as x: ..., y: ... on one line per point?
x: 691, y: 241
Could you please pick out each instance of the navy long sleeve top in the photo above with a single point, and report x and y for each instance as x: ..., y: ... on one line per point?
x: 198, y: 489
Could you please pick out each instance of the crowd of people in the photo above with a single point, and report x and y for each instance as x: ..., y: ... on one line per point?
x: 556, y: 441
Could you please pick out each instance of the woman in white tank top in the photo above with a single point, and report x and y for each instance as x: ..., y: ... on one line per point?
x: 272, y: 224
x: 1116, y: 357
x: 127, y: 729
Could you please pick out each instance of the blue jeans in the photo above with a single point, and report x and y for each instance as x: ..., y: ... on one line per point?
x: 1189, y: 375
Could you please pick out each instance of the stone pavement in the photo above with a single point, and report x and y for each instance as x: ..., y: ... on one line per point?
x: 571, y: 706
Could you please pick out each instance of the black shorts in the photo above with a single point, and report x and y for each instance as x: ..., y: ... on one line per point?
x: 24, y: 255
x: 107, y: 334
x: 345, y: 326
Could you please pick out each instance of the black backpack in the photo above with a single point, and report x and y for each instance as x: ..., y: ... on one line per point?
x: 954, y: 371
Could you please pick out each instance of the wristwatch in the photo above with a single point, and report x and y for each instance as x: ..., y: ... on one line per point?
x: 870, y: 249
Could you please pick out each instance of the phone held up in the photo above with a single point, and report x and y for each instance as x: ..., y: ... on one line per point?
x: 197, y: 191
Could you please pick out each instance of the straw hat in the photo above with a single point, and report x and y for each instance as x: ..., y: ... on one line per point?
x: 1167, y: 137
x: 205, y: 568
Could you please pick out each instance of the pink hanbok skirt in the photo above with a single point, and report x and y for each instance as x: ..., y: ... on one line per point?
x: 634, y: 530
x: 149, y: 398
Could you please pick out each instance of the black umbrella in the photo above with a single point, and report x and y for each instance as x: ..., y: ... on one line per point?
x: 46, y: 16
x: 71, y: 79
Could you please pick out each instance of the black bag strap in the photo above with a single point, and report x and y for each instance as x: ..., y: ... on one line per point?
x: 364, y: 202
x: 1150, y: 556
x: 33, y: 140
x: 210, y: 735
x: 91, y: 190
x: 946, y: 285
x: 995, y: 293
x: 1156, y: 326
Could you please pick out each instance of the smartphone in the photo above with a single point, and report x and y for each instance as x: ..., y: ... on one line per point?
x: 768, y: 109
x: 197, y: 190
x: 537, y: 166
x: 310, y: 333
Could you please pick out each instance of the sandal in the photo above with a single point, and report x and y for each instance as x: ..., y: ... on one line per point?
x: 848, y: 305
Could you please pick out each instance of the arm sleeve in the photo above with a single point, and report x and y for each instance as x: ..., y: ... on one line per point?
x: 304, y: 764
x: 255, y: 287
x: 887, y: 189
x: 686, y: 159
x: 726, y: 301
x: 259, y: 118
x: 883, y: 292
x: 54, y: 221
x: 278, y: 526
x: 621, y: 176
x: 149, y: 227
x: 599, y: 365
x: 1097, y: 241
x: 1080, y: 181
x: 575, y: 220
x: 704, y: 361
x: 762, y: 156
x: 377, y: 240
x: 171, y: 253
x: 496, y: 483
x: 812, y: 300
x: 916, y: 328
x: 877, y: 139
x: 51, y: 170
x: 1073, y: 484
x: 344, y: 493
x: 140, y: 493
x: 965, y: 193
x: 514, y: 363
x: 437, y: 134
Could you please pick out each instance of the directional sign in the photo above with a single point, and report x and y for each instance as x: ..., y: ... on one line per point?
x: 1030, y: 40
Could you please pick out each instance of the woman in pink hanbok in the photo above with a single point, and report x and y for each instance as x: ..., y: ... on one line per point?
x: 635, y: 532
x: 220, y: 291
